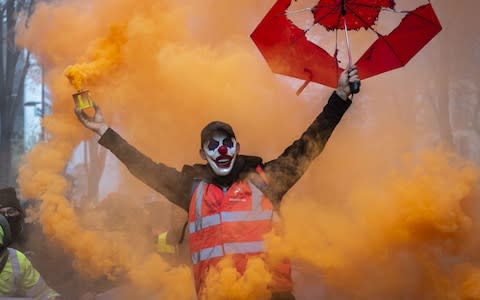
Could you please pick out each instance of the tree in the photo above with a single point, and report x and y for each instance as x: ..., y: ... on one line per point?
x: 14, y: 65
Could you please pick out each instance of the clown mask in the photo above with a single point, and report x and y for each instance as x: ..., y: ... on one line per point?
x: 220, y: 151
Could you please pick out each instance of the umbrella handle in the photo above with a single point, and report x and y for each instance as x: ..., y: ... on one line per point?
x: 354, y: 86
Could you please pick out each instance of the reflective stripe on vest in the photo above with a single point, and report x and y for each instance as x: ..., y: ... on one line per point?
x: 207, y: 253
x: 230, y: 248
x: 229, y: 216
x: 200, y: 223
x: 243, y: 247
x: 38, y: 291
x: 12, y: 254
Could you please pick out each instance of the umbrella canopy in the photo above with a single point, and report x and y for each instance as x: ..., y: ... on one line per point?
x: 288, y: 51
x: 357, y: 13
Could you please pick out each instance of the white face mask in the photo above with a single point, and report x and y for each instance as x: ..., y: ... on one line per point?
x: 221, y: 152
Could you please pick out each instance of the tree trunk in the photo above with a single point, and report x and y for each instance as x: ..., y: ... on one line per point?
x: 6, y: 178
x: 14, y: 65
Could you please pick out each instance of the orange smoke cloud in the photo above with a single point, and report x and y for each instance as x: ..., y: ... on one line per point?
x: 224, y: 281
x: 102, y: 58
x: 143, y: 66
x: 389, y: 230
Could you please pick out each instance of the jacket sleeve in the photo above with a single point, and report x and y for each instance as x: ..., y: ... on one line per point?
x: 32, y: 283
x: 284, y: 171
x: 169, y: 182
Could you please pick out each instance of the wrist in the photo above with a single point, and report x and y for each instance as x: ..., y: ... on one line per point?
x: 342, y: 94
x: 102, y: 129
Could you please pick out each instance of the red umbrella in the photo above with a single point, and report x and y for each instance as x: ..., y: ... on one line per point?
x: 288, y: 51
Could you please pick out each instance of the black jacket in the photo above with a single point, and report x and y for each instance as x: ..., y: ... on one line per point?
x: 282, y: 172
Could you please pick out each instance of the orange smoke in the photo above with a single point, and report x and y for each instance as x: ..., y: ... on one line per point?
x: 224, y: 281
x: 390, y: 230
x: 147, y: 72
x: 102, y: 58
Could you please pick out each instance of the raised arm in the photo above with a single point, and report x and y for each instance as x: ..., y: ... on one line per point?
x: 166, y: 180
x: 284, y: 171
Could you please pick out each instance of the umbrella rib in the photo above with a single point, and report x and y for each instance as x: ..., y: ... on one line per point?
x: 297, y: 11
x: 306, y: 9
x: 394, y: 10
x: 335, y: 55
x: 336, y: 40
x: 378, y: 34
x: 306, y: 30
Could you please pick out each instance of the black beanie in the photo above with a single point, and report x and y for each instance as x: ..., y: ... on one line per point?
x: 211, y: 127
x: 8, y: 198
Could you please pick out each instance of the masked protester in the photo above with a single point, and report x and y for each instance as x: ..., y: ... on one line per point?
x: 11, y: 209
x: 51, y: 261
x: 18, y: 278
x: 231, y: 200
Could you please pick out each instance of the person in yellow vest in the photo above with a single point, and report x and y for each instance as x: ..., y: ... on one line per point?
x: 18, y: 278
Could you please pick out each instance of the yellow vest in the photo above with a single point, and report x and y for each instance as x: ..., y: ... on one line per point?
x: 162, y: 245
x: 20, y: 279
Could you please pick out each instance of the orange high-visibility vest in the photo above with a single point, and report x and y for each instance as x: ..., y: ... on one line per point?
x: 232, y: 222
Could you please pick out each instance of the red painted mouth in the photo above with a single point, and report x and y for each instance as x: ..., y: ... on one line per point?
x: 223, y: 161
